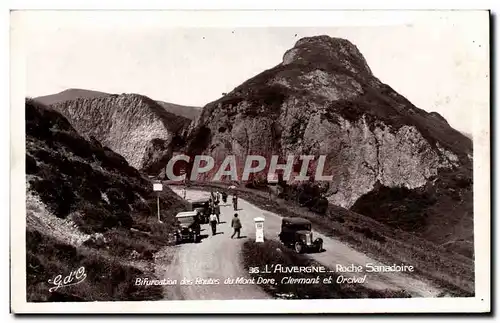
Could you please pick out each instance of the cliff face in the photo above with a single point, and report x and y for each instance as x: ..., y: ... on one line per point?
x: 324, y: 100
x: 132, y: 125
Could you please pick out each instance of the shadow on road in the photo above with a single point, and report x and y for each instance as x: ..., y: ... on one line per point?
x: 203, y: 236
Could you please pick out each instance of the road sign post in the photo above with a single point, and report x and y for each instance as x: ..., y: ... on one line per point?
x: 259, y: 229
x: 158, y: 187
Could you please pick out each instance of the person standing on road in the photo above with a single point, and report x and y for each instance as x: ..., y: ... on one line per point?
x: 211, y: 208
x: 217, y: 211
x: 224, y: 197
x: 235, y: 201
x: 236, y: 225
x: 213, y: 223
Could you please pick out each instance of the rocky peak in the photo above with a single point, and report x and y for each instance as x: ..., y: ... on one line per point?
x: 336, y: 52
x: 323, y: 100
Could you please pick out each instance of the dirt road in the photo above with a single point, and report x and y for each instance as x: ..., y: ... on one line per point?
x: 218, y: 258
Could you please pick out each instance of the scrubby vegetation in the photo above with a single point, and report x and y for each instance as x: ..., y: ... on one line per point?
x: 307, y: 194
x: 271, y: 253
x: 93, y: 188
x: 109, y: 278
x: 397, y: 207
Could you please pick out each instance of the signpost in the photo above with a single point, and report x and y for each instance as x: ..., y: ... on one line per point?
x: 184, y: 191
x: 184, y: 183
x: 158, y: 187
x: 259, y: 229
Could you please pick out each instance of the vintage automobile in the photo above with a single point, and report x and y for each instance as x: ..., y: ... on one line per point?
x: 189, y: 227
x: 203, y: 207
x: 296, y: 233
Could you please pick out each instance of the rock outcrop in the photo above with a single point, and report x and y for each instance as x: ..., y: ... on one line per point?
x: 134, y: 126
x: 324, y: 100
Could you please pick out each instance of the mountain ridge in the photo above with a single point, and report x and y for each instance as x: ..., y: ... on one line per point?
x: 190, y: 112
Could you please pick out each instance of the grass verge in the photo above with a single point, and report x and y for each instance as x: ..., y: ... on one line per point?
x: 271, y: 253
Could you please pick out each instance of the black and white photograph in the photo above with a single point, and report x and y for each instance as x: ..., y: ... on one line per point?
x: 165, y: 157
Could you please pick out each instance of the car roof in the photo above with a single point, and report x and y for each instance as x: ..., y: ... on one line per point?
x: 186, y: 214
x: 296, y: 221
x: 201, y: 200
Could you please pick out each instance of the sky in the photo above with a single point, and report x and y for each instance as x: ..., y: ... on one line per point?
x: 438, y: 61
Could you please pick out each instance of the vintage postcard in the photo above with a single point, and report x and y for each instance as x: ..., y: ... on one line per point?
x: 250, y: 161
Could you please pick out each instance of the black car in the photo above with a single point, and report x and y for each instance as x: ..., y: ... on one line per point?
x: 296, y: 233
x: 202, y: 206
x: 189, y: 227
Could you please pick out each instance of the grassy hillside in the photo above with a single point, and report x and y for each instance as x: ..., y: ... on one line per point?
x: 272, y: 252
x: 389, y: 160
x: 69, y: 94
x: 87, y: 207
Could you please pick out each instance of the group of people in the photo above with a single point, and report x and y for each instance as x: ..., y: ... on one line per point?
x: 214, y: 208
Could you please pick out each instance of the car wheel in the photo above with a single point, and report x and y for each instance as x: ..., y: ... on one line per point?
x: 298, y: 247
x: 177, y: 240
x: 320, y: 247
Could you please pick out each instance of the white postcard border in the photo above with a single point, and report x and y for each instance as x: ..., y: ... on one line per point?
x: 480, y: 303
